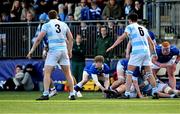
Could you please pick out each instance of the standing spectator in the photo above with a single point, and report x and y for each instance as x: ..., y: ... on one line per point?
x: 16, y: 11
x: 78, y: 58
x: 128, y: 8
x: 29, y: 16
x: 5, y: 17
x: 138, y: 9
x: 98, y: 27
x: 61, y: 13
x: 77, y: 12
x: 84, y: 10
x: 112, y: 10
x: 102, y: 43
x: 26, y: 7
x: 95, y: 11
x: 164, y: 59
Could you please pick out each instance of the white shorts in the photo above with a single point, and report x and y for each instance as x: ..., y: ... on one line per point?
x: 161, y: 86
x: 120, y: 68
x: 54, y: 58
x: 140, y: 60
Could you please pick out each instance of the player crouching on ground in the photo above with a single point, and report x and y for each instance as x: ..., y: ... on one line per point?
x: 97, y: 71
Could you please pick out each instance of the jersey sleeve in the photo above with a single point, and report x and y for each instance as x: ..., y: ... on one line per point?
x: 106, y: 69
x: 67, y: 28
x: 44, y: 28
x: 128, y: 30
x: 175, y: 51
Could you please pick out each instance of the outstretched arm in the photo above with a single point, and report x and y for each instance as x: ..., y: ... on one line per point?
x: 95, y: 79
x: 118, y: 41
x: 36, y: 43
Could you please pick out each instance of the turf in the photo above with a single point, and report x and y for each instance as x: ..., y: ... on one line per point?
x: 91, y: 103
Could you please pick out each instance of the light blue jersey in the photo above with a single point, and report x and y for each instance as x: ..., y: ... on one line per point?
x: 138, y: 36
x: 56, y: 33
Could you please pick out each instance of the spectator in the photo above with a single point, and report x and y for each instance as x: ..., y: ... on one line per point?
x: 23, y: 78
x: 5, y: 17
x: 26, y: 7
x: 84, y: 30
x: 78, y: 58
x: 70, y: 17
x: 18, y: 76
x: 128, y: 8
x: 55, y: 4
x: 138, y: 9
x: 61, y: 13
x: 29, y: 16
x: 111, y: 26
x: 77, y: 12
x: 16, y: 11
x: 112, y: 10
x: 84, y: 10
x: 98, y: 27
x: 95, y: 11
x: 102, y: 43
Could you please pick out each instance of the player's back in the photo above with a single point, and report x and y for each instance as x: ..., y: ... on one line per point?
x: 138, y: 36
x: 56, y: 33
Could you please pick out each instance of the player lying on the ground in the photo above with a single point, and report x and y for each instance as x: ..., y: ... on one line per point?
x: 164, y: 90
x: 97, y: 71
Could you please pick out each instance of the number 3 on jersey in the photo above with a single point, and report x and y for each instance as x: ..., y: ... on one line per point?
x: 141, y: 31
x: 58, y: 29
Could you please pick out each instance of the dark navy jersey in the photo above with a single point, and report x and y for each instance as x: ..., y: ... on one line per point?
x: 91, y: 69
x: 165, y: 58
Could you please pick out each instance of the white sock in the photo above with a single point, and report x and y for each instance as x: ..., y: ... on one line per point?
x: 45, y: 93
x: 154, y: 90
x: 172, y: 95
x: 53, y: 88
x: 80, y: 85
x: 127, y: 93
x: 72, y: 93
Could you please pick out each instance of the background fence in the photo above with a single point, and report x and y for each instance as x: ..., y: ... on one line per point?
x: 163, y: 17
x: 16, y: 38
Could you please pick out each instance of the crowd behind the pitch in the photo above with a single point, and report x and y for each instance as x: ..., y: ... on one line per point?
x: 68, y: 10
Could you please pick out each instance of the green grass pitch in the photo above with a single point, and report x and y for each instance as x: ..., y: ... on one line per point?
x: 91, y: 103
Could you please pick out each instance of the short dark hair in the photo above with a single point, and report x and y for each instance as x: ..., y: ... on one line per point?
x: 103, y: 26
x: 19, y: 66
x: 133, y: 17
x: 52, y: 14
